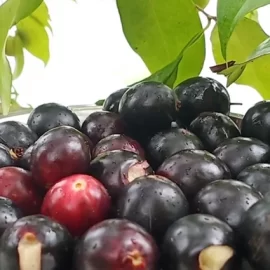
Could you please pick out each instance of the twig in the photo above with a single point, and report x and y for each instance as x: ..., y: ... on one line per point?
x: 209, y: 17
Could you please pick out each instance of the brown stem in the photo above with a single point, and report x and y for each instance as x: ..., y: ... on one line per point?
x: 209, y: 17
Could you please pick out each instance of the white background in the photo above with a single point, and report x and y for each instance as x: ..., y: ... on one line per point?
x: 90, y: 57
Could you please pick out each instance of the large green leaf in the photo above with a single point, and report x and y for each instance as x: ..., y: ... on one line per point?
x: 42, y: 16
x: 14, y: 47
x: 168, y: 74
x: 11, y: 12
x: 229, y: 13
x: 236, y: 69
x: 249, y: 48
x: 201, y: 3
x: 26, y: 8
x: 158, y: 30
x: 35, y: 38
x: 8, y: 12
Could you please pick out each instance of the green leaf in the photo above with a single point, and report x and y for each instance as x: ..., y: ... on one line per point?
x: 11, y: 12
x: 168, y: 74
x: 158, y: 30
x: 41, y: 15
x: 229, y: 13
x: 8, y: 12
x: 14, y: 47
x: 201, y: 3
x: 99, y: 102
x: 14, y: 107
x: 249, y: 48
x: 35, y: 38
x: 26, y: 8
x: 253, y: 15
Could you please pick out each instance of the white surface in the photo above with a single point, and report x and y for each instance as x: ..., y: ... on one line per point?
x: 90, y: 57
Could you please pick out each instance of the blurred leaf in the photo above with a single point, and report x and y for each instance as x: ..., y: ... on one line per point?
x: 168, y: 74
x: 14, y: 106
x: 8, y: 12
x: 236, y: 70
x: 14, y: 47
x: 158, y: 30
x: 99, y: 102
x: 41, y: 15
x: 201, y: 3
x: 26, y: 8
x: 253, y: 15
x: 229, y: 13
x: 11, y: 12
x: 35, y: 38
x: 249, y: 48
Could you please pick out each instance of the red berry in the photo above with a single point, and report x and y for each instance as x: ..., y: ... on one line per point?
x: 78, y: 202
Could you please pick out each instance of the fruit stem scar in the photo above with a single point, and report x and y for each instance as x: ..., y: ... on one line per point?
x: 215, y: 257
x: 29, y: 251
x: 13, y: 155
x: 79, y: 185
x: 135, y: 258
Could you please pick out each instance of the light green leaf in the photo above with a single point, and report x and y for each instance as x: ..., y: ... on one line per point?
x: 35, y: 38
x: 158, y: 30
x: 14, y: 107
x: 41, y: 15
x: 253, y: 15
x: 201, y: 3
x: 168, y: 74
x: 26, y: 8
x: 8, y: 12
x: 247, y: 45
x: 229, y: 13
x: 14, y: 47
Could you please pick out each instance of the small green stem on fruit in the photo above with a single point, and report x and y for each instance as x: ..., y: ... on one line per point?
x: 209, y: 17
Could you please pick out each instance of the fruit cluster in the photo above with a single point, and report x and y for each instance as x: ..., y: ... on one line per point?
x: 158, y: 179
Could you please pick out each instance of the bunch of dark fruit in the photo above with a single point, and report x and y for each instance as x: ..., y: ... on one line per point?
x: 156, y: 180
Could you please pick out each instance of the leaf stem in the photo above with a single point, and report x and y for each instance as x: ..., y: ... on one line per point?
x: 209, y: 17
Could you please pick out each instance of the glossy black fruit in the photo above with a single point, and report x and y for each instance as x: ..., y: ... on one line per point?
x: 25, y: 161
x: 191, y: 170
x: 199, y: 95
x: 255, y: 231
x: 7, y: 156
x: 99, y: 125
x: 246, y: 265
x: 118, y: 142
x: 16, y: 136
x: 111, y: 103
x: 116, y: 244
x: 256, y: 122
x: 51, y: 115
x: 117, y: 168
x: 257, y: 176
x: 9, y: 213
x: 227, y: 200
x: 148, y: 107
x: 36, y: 242
x: 199, y: 242
x: 167, y: 143
x: 240, y: 152
x: 213, y: 129
x: 154, y: 202
x: 59, y: 153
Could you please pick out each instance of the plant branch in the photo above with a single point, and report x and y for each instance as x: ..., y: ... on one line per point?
x: 209, y: 17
